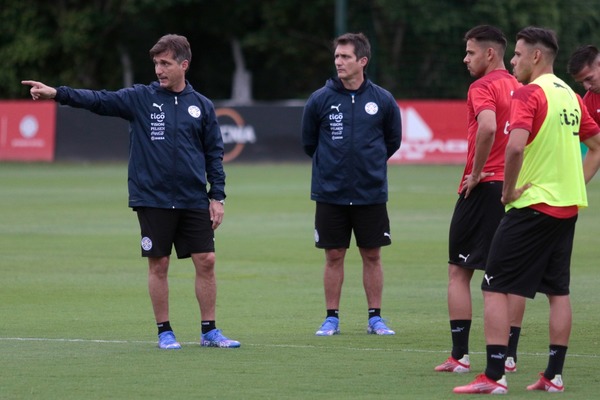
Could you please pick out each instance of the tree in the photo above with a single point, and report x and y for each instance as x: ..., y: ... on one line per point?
x: 283, y: 47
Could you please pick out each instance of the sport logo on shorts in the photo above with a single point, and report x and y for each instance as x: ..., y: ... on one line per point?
x: 146, y: 243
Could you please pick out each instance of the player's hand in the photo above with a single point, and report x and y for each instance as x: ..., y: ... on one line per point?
x: 471, y: 181
x: 39, y: 90
x: 217, y: 211
x: 512, y: 195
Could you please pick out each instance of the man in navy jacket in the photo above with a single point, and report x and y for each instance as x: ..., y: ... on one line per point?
x: 350, y: 128
x: 176, y: 150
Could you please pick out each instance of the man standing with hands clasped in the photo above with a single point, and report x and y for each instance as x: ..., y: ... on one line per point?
x: 350, y: 128
x: 544, y: 186
x: 176, y: 150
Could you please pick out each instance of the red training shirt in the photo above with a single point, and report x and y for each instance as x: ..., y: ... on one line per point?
x: 490, y: 92
x: 592, y: 102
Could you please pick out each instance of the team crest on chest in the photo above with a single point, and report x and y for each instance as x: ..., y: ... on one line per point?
x: 194, y: 111
x: 371, y: 108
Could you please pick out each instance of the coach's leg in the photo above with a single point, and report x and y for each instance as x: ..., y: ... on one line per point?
x: 158, y: 287
x: 372, y: 275
x: 333, y: 277
x: 206, y: 284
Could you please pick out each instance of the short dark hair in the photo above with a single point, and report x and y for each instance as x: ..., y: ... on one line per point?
x: 178, y: 45
x: 543, y: 36
x: 486, y: 33
x: 583, y: 57
x: 362, y: 47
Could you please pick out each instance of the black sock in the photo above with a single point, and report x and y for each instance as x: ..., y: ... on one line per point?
x: 496, y: 355
x: 208, y: 326
x: 460, y: 329
x: 513, y: 342
x: 374, y: 312
x: 333, y: 313
x: 163, y: 327
x: 556, y: 361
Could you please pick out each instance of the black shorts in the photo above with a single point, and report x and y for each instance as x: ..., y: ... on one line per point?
x: 189, y: 230
x: 531, y: 252
x: 334, y: 225
x: 473, y: 225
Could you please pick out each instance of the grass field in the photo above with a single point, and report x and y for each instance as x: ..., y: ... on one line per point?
x: 76, y: 320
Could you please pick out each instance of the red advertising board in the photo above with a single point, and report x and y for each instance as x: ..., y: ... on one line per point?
x: 27, y: 130
x: 433, y: 132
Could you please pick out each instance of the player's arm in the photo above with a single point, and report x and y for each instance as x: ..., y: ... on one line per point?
x: 591, y: 162
x: 513, y: 162
x: 589, y: 132
x: 486, y: 131
x: 39, y: 90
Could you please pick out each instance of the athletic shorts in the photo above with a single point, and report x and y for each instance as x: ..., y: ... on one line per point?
x: 473, y: 225
x: 189, y: 230
x: 531, y: 252
x: 334, y: 225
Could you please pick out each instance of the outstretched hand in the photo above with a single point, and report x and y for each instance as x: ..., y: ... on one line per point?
x: 39, y: 90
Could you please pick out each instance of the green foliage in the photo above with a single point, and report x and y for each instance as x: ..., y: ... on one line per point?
x: 417, y: 44
x: 77, y: 321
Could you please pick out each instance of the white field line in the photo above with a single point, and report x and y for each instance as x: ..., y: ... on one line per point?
x: 289, y: 346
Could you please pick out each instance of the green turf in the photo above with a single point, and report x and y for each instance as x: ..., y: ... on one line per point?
x: 76, y: 321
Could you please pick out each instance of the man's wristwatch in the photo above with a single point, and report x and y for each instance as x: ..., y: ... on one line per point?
x: 220, y: 201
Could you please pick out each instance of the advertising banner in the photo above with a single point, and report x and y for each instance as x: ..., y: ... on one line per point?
x: 27, y: 130
x: 261, y: 133
x: 433, y: 132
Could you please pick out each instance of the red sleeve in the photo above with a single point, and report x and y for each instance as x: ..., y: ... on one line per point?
x: 588, y: 126
x: 592, y: 103
x: 528, y: 109
x: 481, y: 98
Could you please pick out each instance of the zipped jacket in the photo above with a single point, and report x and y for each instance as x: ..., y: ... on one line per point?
x: 350, y: 135
x: 175, y: 146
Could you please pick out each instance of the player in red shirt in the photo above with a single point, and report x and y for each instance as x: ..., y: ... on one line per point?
x: 544, y: 184
x: 478, y: 209
x: 584, y: 67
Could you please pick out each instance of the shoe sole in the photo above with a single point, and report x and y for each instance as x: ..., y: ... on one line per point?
x: 220, y: 345
x: 455, y: 370
x: 170, y: 347
x: 385, y: 333
x: 328, y: 333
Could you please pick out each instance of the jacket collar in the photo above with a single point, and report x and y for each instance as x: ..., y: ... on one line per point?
x: 188, y: 88
x: 336, y: 84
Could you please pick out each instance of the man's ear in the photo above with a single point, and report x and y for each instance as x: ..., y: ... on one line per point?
x: 537, y: 56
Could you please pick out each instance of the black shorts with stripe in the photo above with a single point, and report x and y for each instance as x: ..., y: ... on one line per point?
x: 473, y: 225
x: 334, y: 225
x: 189, y: 230
x: 530, y: 253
